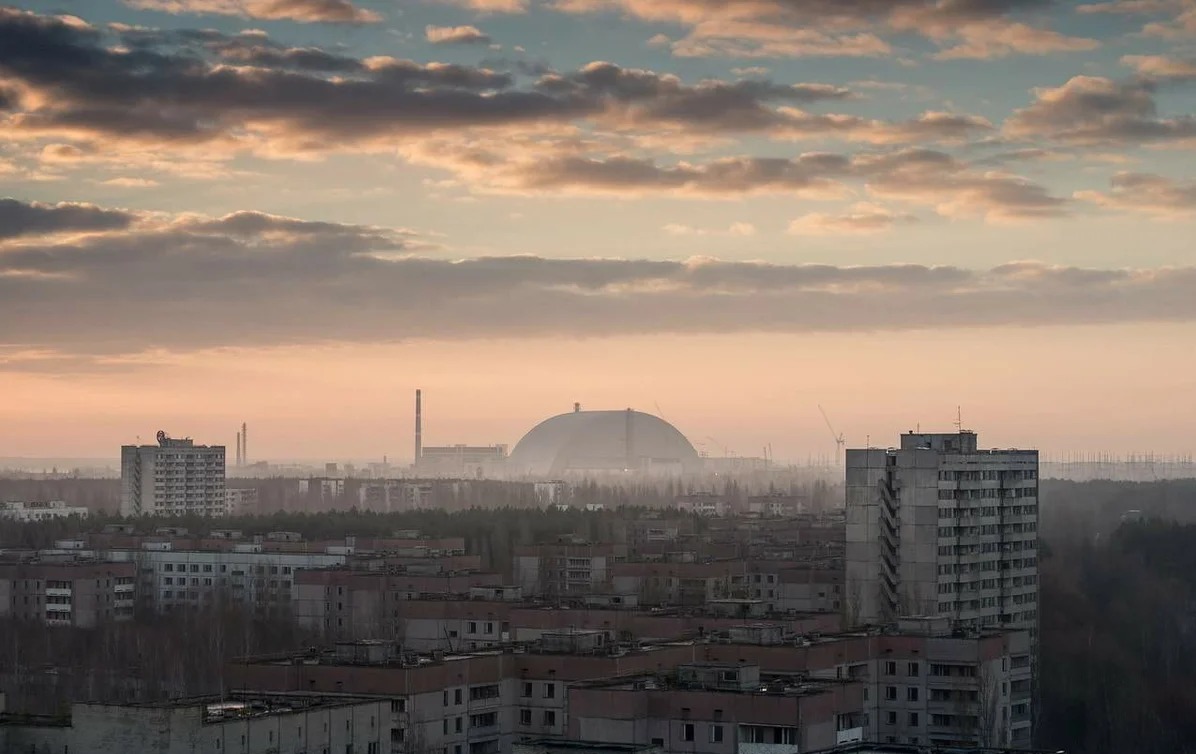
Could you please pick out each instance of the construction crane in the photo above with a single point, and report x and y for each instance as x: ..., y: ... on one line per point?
x: 840, y: 440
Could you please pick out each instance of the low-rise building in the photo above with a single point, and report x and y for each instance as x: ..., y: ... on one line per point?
x: 718, y: 708
x: 237, y: 723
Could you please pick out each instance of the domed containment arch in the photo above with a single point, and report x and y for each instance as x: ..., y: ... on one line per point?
x: 603, y: 441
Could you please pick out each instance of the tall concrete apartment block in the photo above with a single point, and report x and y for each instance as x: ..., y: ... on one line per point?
x: 940, y: 527
x: 172, y: 478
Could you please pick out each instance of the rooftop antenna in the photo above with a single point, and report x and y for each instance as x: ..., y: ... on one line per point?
x: 959, y: 419
x: 840, y: 439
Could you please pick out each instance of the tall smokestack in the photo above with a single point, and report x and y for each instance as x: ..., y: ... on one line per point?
x: 238, y: 448
x: 419, y: 426
x: 244, y: 444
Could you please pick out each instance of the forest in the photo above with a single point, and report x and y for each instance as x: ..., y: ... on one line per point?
x: 1117, y: 611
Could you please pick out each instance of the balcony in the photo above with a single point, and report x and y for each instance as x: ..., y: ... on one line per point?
x: 58, y: 592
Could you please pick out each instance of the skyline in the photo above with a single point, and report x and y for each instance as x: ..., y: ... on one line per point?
x: 294, y: 212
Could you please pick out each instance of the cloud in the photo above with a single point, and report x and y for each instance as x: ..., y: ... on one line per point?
x: 921, y: 176
x: 245, y: 93
x: 862, y: 219
x: 19, y: 218
x: 794, y: 28
x: 1097, y: 110
x: 491, y: 6
x: 740, y: 230
x: 250, y: 279
x: 450, y: 35
x: 1179, y: 16
x: 1146, y: 193
x: 128, y: 182
x: 1161, y: 69
x: 303, y: 11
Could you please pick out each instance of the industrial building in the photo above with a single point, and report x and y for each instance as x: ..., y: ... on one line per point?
x: 172, y: 478
x: 940, y: 527
x: 25, y: 512
x: 603, y: 442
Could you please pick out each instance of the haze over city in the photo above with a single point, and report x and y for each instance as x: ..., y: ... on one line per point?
x: 727, y: 213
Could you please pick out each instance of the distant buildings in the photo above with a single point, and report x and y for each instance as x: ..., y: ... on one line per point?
x: 462, y: 461
x: 939, y: 527
x: 25, y: 512
x: 172, y: 478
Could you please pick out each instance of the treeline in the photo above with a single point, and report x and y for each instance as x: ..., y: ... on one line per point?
x: 157, y: 657
x: 1118, y: 641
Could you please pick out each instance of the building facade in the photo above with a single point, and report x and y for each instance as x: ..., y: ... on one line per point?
x: 940, y: 527
x: 78, y: 593
x: 238, y: 723
x: 172, y: 478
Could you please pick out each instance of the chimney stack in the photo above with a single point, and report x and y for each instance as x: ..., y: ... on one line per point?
x: 238, y: 448
x: 244, y: 444
x: 419, y: 426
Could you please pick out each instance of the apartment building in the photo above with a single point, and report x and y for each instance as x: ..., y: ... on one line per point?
x: 83, y: 594
x: 349, y: 603
x: 241, y: 501
x: 244, y: 572
x: 925, y: 683
x: 566, y: 568
x: 940, y: 527
x: 172, y: 478
x: 236, y: 723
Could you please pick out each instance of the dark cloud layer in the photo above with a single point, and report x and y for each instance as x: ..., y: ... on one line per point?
x: 303, y: 11
x: 203, y: 86
x: 34, y: 218
x: 255, y: 279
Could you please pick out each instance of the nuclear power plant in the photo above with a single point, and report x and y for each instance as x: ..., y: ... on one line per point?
x: 590, y: 443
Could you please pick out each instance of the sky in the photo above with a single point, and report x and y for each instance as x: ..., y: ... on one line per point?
x: 725, y: 212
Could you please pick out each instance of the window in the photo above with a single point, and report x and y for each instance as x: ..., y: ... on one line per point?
x: 687, y: 732
x: 912, y: 670
x: 892, y: 718
x: 549, y: 717
x: 716, y: 734
x: 527, y: 689
x: 457, y: 696
x: 911, y: 694
x: 549, y: 691
x: 913, y: 719
x: 444, y: 726
x: 525, y: 717
x: 460, y: 724
x: 891, y: 693
x: 445, y: 698
x: 890, y: 668
x: 398, y: 705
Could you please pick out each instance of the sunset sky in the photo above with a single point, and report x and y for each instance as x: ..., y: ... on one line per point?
x: 295, y: 212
